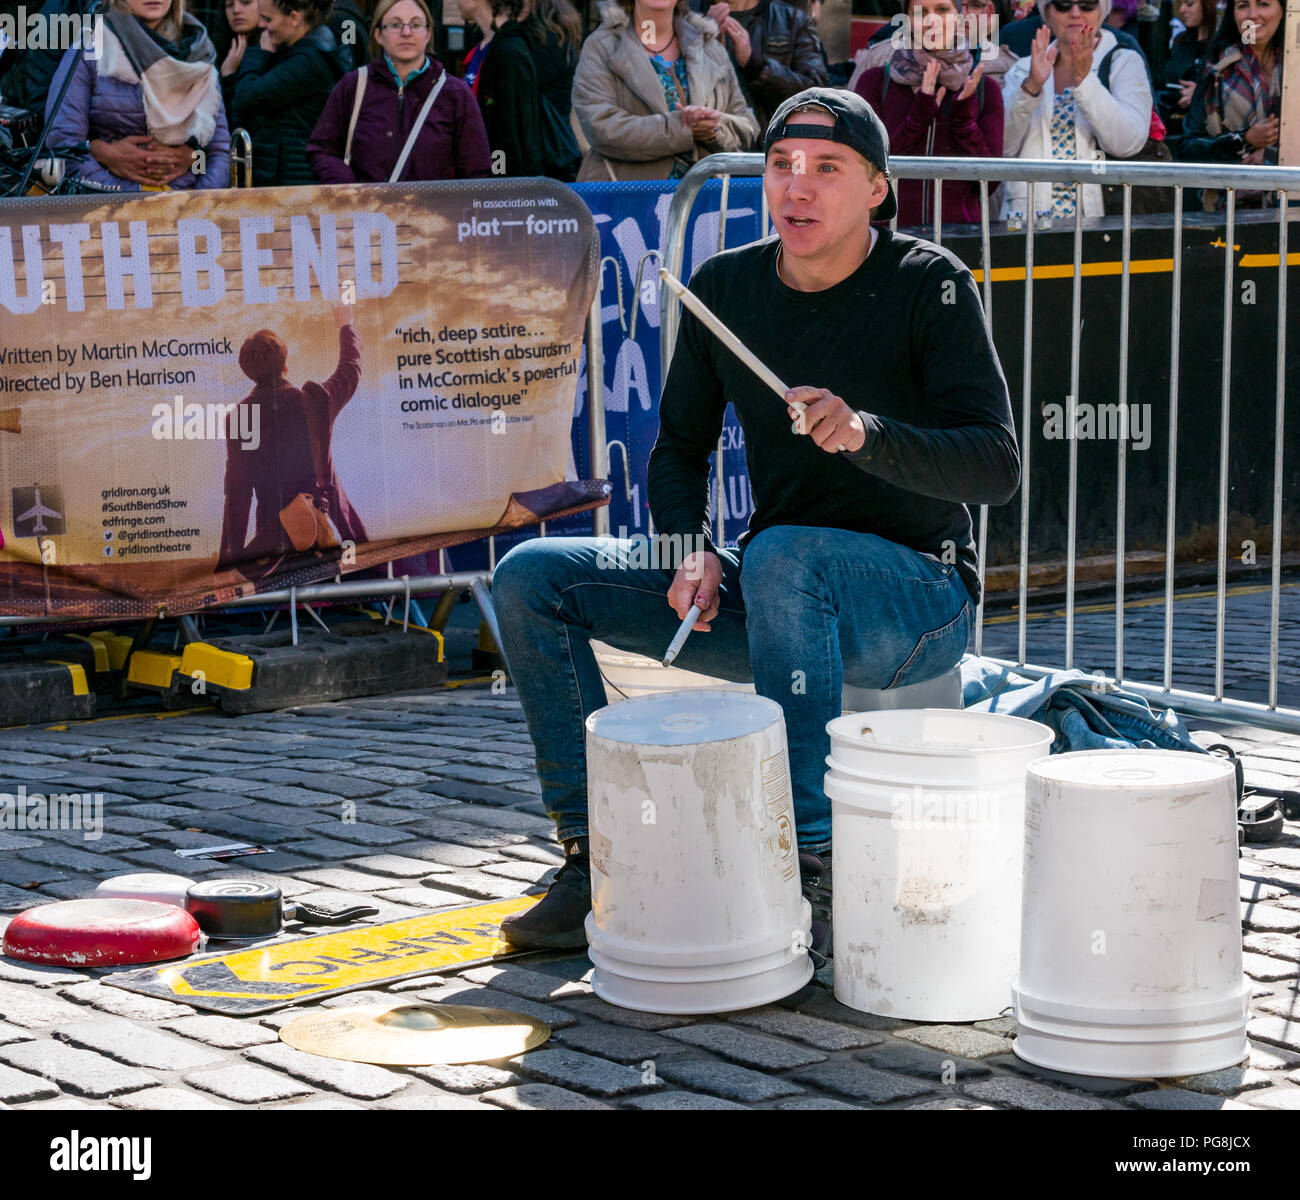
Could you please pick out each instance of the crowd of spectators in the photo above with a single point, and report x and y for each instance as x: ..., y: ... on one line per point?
x: 352, y: 91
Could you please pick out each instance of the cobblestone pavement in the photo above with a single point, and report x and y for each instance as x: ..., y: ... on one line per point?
x: 1245, y: 640
x: 442, y: 810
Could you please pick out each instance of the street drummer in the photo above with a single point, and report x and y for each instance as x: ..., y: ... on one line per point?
x: 859, y: 563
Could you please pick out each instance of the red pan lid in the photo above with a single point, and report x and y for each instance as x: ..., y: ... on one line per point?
x: 100, y: 933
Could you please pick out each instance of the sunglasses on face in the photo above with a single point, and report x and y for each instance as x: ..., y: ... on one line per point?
x: 1064, y: 6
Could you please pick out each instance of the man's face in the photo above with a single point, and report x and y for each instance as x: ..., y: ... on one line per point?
x: 820, y: 192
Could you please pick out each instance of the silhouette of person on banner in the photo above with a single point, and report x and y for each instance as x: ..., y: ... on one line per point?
x: 287, y: 465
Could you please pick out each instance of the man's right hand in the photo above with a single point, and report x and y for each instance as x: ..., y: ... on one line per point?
x: 698, y: 581
x: 718, y: 14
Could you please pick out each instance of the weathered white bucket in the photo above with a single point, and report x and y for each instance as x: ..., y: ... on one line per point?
x: 1130, y: 962
x: 927, y: 809
x: 696, y: 904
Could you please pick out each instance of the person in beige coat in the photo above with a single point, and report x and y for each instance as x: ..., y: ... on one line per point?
x: 654, y: 91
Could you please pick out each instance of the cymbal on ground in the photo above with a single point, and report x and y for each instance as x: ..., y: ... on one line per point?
x: 416, y: 1035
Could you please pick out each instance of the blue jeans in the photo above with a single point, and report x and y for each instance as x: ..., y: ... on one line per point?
x: 803, y: 611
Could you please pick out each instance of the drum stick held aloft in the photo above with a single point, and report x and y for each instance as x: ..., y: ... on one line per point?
x: 732, y: 342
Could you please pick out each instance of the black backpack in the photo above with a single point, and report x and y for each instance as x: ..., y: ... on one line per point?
x: 561, y: 157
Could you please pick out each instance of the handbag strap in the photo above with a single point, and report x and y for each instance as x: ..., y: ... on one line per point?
x: 415, y: 129
x: 1103, y: 70
x: 682, y: 99
x: 356, y: 111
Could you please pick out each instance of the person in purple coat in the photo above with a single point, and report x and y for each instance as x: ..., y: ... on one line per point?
x: 363, y: 143
x: 149, y: 105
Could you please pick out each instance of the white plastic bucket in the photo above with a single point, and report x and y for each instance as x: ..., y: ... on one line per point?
x: 696, y: 904
x: 627, y: 675
x: 943, y: 691
x: 927, y: 808
x: 1130, y: 963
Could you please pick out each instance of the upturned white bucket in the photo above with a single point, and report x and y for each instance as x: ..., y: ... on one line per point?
x: 696, y: 904
x: 1130, y: 962
x: 927, y: 808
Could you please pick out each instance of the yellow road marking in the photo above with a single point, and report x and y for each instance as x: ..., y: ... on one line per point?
x: 1138, y: 266
x: 1268, y: 260
x: 1252, y: 589
x: 136, y: 716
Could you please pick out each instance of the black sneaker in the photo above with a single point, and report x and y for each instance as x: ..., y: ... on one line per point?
x: 555, y: 922
x: 815, y: 881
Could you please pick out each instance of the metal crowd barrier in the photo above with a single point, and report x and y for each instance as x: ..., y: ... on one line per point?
x: 241, y: 159
x: 1178, y: 176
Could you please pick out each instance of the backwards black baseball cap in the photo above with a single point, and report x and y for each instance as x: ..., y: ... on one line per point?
x: 856, y: 126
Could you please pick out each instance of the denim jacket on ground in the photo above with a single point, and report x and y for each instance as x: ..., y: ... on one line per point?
x: 1083, y: 711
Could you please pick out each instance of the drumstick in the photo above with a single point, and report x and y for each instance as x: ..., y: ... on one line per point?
x: 11, y: 420
x: 675, y: 646
x: 733, y: 343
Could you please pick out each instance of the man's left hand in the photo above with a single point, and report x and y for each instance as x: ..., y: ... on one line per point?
x: 831, y: 423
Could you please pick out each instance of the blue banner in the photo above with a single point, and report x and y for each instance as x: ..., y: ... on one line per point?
x: 630, y: 218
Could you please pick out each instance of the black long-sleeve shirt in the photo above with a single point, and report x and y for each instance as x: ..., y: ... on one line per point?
x: 903, y: 341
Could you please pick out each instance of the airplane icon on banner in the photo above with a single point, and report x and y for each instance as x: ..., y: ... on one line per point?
x: 37, y: 512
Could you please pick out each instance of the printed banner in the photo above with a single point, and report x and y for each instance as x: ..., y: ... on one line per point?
x: 630, y: 218
x: 211, y: 394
